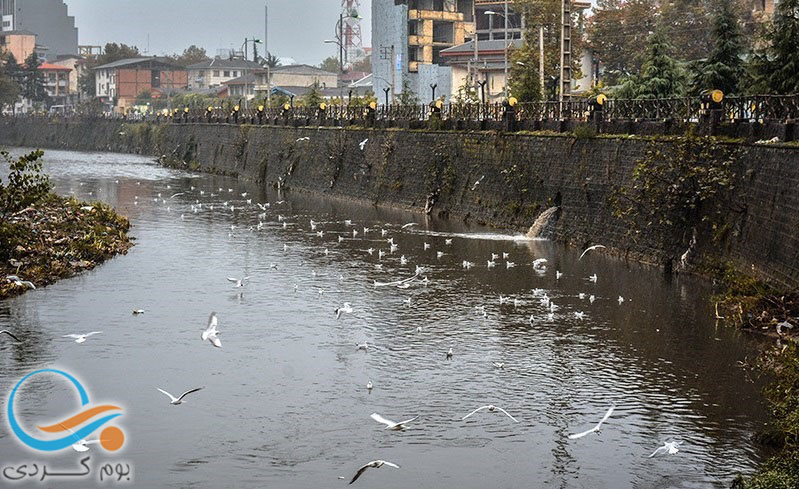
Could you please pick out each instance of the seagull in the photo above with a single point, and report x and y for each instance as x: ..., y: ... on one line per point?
x: 621, y: 299
x: 505, y: 256
x: 539, y: 263
x: 439, y: 254
x: 362, y: 144
x: 590, y: 248
x: 346, y: 308
x: 448, y: 241
x: 19, y: 282
x: 363, y: 346
x: 478, y: 182
x: 579, y: 314
x: 467, y: 264
x: 558, y: 275
x: 409, y: 225
x: 591, y: 298
x: 491, y: 408
x: 210, y: 333
x: 595, y: 428
x: 176, y: 195
x: 375, y: 464
x: 392, y: 425
x: 592, y: 278
x: 501, y: 365
x: 369, y: 386
x: 239, y: 282
x: 670, y: 447
x: 427, y: 246
x: 136, y: 312
x: 306, y: 138
x: 80, y: 338
x: 449, y: 354
x: 9, y: 333
x: 178, y: 400
x: 509, y: 264
x: 491, y: 263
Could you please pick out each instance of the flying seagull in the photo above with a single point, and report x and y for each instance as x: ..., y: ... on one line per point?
x: 670, y: 447
x: 239, y: 282
x: 178, y: 400
x: 346, y: 308
x: 375, y: 464
x: 590, y: 248
x: 595, y: 428
x: 392, y: 425
x: 409, y: 225
x: 491, y: 408
x: 80, y: 338
x: 9, y: 333
x: 210, y: 333
x: 362, y: 145
x: 19, y: 282
x: 136, y: 312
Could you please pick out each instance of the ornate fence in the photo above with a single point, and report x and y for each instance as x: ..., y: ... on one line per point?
x: 759, y: 108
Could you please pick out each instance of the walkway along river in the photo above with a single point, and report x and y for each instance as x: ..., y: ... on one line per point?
x: 285, y: 402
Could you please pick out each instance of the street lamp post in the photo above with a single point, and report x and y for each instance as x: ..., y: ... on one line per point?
x: 505, y: 41
x: 339, y: 41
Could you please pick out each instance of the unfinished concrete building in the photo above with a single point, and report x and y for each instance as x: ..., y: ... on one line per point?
x: 408, y: 37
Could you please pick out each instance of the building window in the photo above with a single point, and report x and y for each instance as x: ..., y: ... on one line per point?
x: 227, y: 74
x: 216, y: 73
x: 235, y: 74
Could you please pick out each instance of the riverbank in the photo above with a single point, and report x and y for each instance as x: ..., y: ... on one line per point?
x: 58, y: 238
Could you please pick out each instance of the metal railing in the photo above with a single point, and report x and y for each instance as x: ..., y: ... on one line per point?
x: 758, y: 108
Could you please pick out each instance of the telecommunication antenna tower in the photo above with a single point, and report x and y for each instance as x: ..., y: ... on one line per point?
x: 351, y: 30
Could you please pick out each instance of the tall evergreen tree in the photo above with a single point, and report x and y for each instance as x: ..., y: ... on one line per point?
x: 33, y: 86
x: 524, y: 81
x: 776, y: 65
x: 661, y: 75
x: 9, y: 87
x: 724, y: 69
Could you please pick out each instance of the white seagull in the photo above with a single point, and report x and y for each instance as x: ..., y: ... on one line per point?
x: 136, y: 312
x: 374, y: 464
x: 491, y: 408
x: 670, y: 447
x: 210, y: 333
x: 178, y: 400
x: 590, y: 248
x: 362, y: 145
x: 393, y: 425
x: 238, y: 282
x: 595, y: 428
x: 409, y: 225
x: 346, y: 308
x: 80, y: 338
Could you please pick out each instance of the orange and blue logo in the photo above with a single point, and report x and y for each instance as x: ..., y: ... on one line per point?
x: 77, y: 427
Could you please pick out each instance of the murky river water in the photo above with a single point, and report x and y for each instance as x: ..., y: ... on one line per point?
x: 285, y: 402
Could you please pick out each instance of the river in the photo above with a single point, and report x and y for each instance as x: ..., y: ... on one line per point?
x: 285, y: 402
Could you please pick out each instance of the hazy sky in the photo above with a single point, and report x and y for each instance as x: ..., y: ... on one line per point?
x: 297, y: 28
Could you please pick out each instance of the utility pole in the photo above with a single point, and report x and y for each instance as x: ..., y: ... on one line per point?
x: 541, y: 58
x: 474, y: 40
x: 393, y: 74
x: 506, y: 49
x: 268, y: 58
x: 565, y: 50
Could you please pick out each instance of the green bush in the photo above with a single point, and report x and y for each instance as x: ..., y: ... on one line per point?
x: 26, y: 184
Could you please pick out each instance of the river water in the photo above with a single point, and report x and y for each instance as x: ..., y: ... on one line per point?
x: 285, y: 402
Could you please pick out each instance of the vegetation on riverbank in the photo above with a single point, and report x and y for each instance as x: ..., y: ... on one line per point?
x: 756, y: 306
x: 45, y: 237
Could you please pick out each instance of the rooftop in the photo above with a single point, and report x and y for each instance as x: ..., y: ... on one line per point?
x: 52, y: 67
x: 301, y: 70
x: 135, y: 61
x: 483, y: 47
x: 224, y: 63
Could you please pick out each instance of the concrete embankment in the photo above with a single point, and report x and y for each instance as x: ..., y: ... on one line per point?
x: 500, y: 179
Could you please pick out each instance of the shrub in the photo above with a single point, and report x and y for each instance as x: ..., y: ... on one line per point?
x: 26, y: 184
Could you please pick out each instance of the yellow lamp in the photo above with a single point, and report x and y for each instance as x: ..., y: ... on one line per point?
x: 439, y: 104
x: 601, y: 99
x: 165, y: 112
x: 186, y: 110
x: 210, y: 109
x: 717, y: 96
x: 286, y: 106
x: 373, y: 105
x: 236, y: 108
x: 260, y: 108
x: 323, y: 106
x: 512, y: 101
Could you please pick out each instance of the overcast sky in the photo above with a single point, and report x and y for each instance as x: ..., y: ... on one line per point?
x: 297, y: 28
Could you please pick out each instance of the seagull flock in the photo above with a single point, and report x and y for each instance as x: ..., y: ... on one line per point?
x: 211, y: 332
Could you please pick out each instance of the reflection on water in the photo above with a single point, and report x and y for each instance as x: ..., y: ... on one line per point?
x: 286, y: 403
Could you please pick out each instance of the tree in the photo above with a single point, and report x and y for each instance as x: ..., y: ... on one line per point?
x: 364, y: 64
x: 775, y: 66
x: 689, y: 27
x: 26, y: 183
x: 112, y: 52
x: 270, y: 60
x: 724, y: 70
x: 616, y: 32
x: 525, y: 83
x: 33, y: 85
x: 661, y: 75
x: 330, y: 64
x: 547, y: 13
x: 407, y: 96
x: 190, y: 56
x: 9, y: 84
x: 314, y: 96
